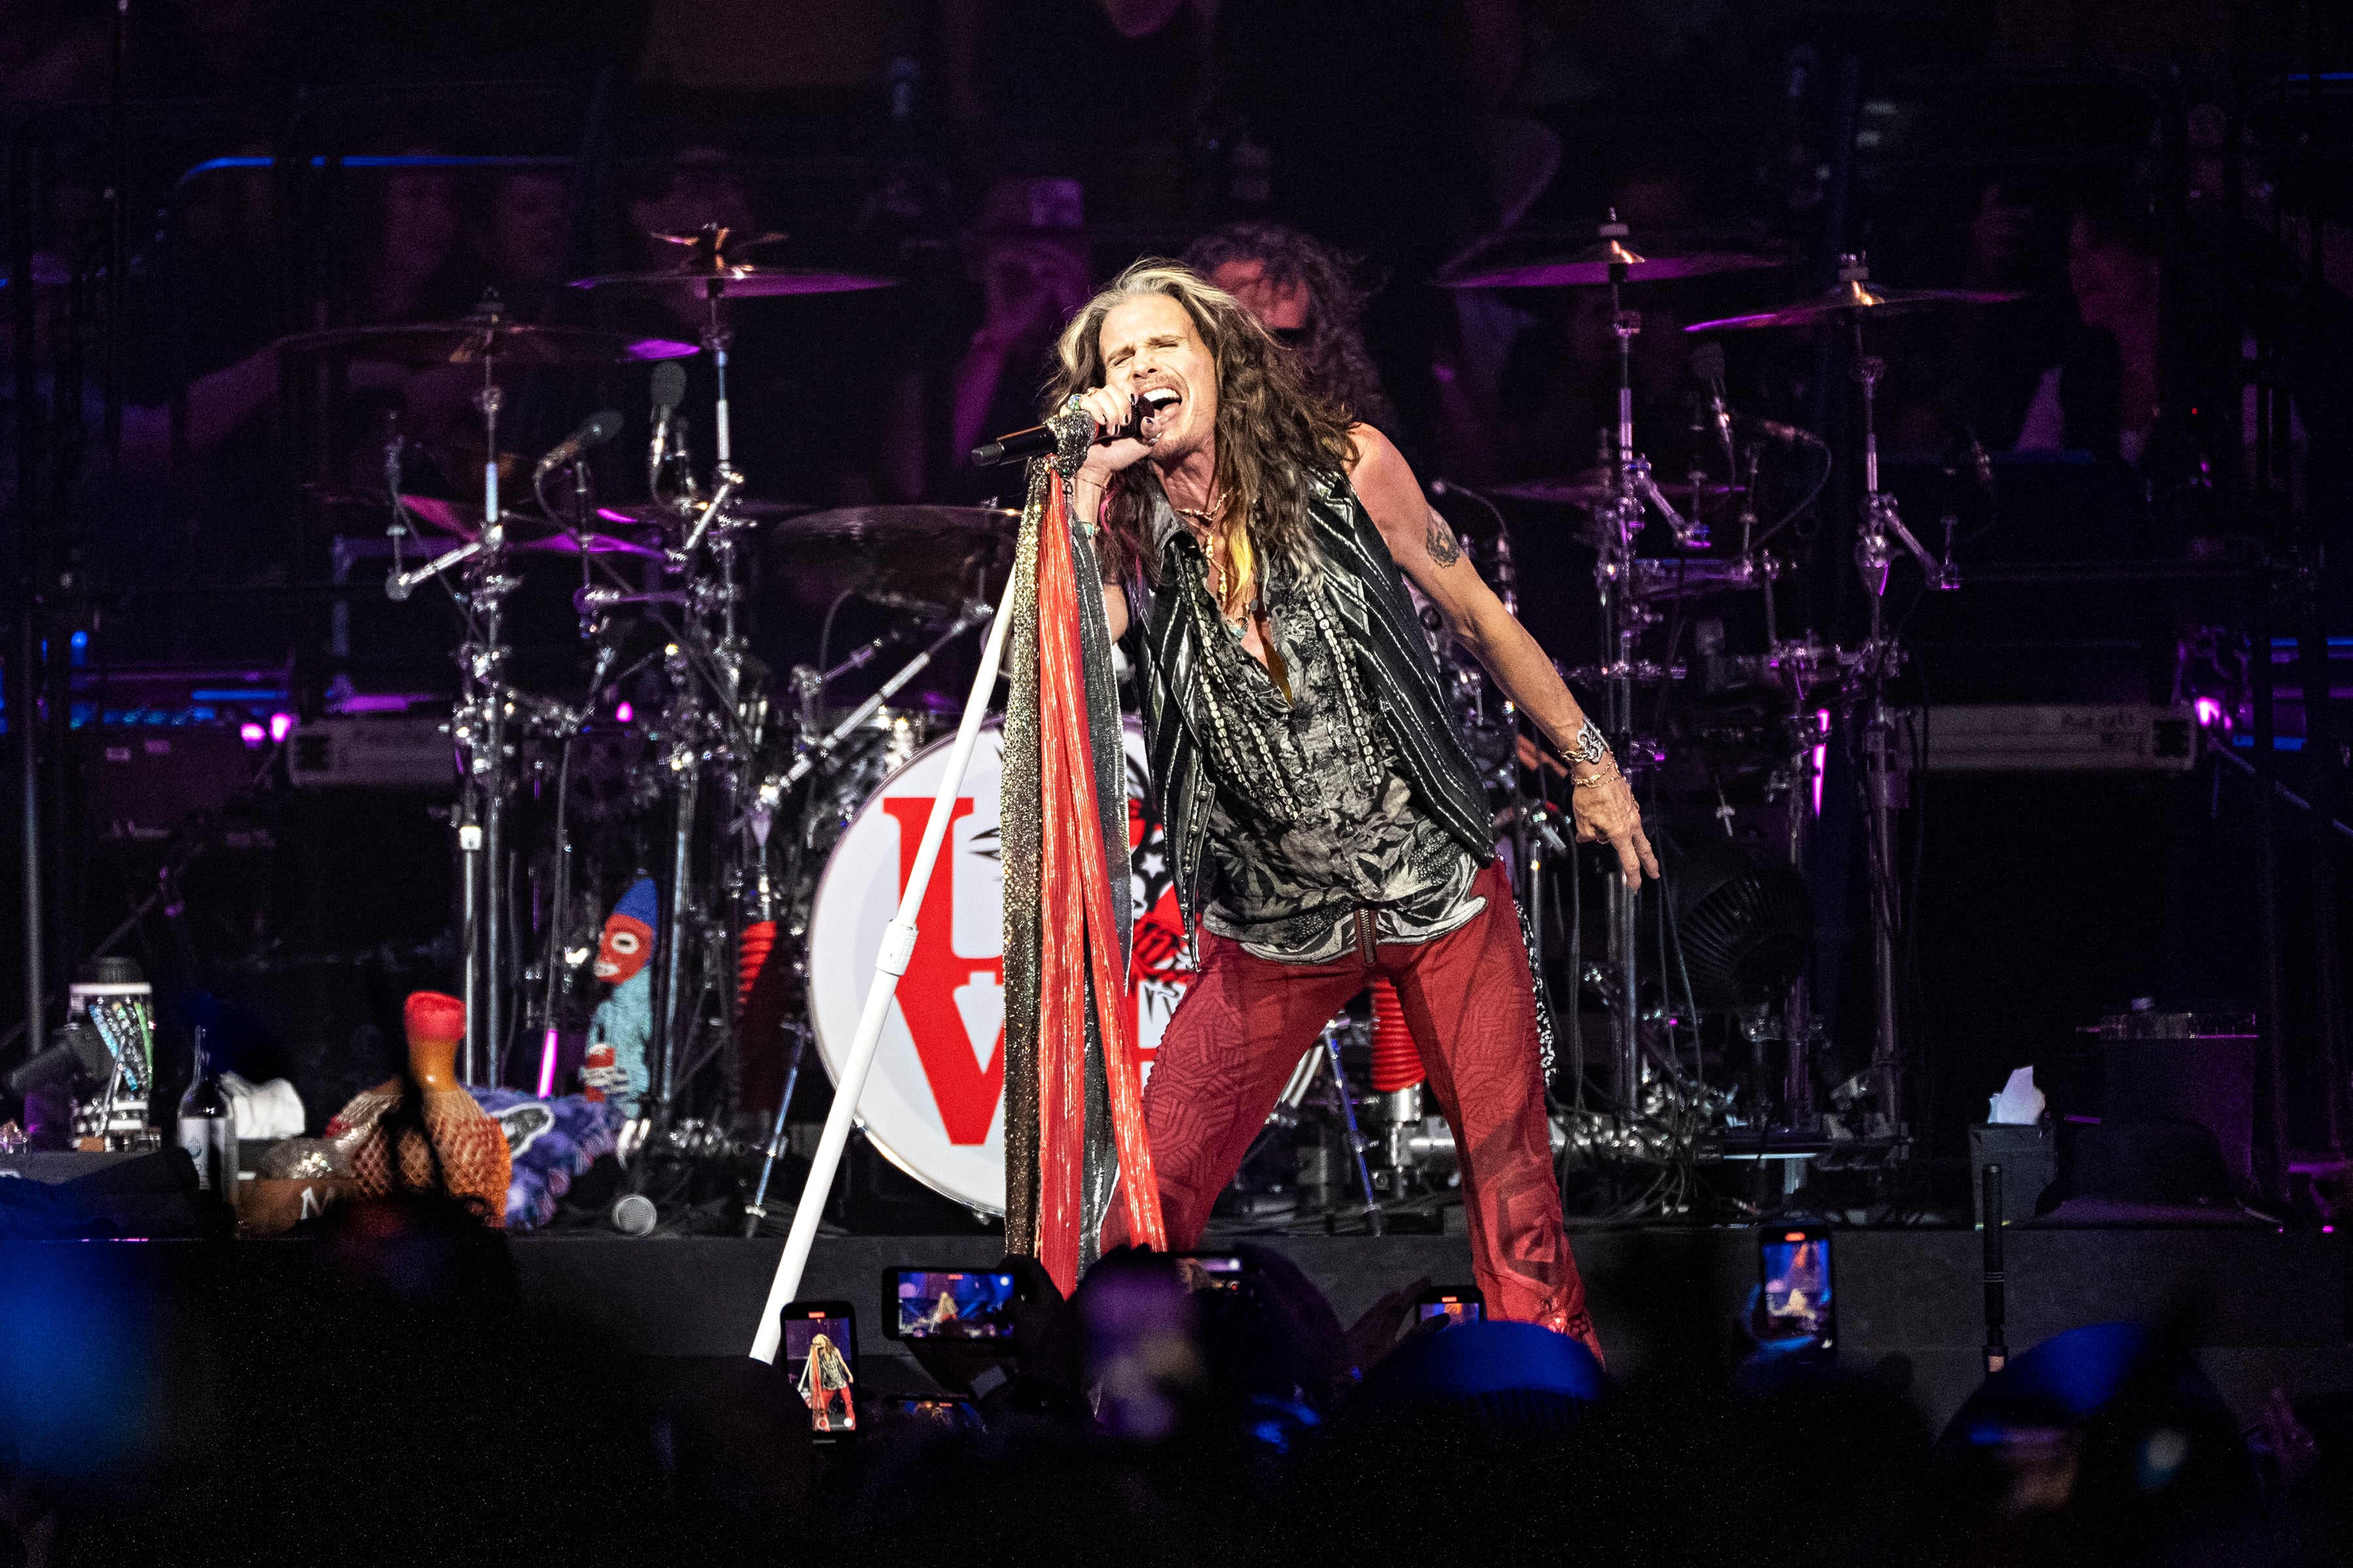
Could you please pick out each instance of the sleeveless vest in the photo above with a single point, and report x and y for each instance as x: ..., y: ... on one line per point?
x: 1368, y: 595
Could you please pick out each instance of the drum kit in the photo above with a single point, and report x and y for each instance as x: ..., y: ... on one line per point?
x: 1734, y: 914
x: 779, y: 818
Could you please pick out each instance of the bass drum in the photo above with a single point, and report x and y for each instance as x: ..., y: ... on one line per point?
x: 934, y: 1104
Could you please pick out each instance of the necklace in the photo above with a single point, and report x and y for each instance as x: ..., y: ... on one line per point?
x: 1219, y: 552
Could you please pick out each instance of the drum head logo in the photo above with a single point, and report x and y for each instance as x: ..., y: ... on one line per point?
x: 934, y: 1104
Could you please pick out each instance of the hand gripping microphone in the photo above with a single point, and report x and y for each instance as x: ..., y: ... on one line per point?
x: 1043, y: 441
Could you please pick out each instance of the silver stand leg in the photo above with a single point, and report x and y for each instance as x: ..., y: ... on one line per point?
x: 1356, y: 1137
x: 667, y: 1024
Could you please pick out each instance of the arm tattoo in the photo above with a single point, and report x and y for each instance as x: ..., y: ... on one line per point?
x: 1439, y: 542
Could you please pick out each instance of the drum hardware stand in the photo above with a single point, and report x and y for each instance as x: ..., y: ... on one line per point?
x: 820, y: 754
x: 479, y: 727
x: 756, y: 1210
x: 1874, y: 665
x: 1624, y: 619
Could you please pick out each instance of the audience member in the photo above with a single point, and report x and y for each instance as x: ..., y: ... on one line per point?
x: 1304, y: 293
x: 1030, y: 253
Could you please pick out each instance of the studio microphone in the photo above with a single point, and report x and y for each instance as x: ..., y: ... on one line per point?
x: 669, y: 385
x: 594, y: 431
x: 1708, y: 363
x: 1043, y: 441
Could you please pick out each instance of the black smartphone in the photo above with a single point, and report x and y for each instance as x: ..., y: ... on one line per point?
x: 1210, y: 1270
x: 1455, y: 1303
x: 820, y: 1357
x: 948, y: 1303
x: 1797, y: 1305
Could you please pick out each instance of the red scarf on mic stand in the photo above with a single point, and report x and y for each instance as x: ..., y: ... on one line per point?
x: 1065, y: 941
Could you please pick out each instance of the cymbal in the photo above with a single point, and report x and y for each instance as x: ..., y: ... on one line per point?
x: 1856, y: 295
x: 902, y: 525
x: 739, y: 279
x: 463, y: 520
x: 1588, y: 488
x: 1592, y: 265
x: 472, y: 342
x: 645, y: 513
x: 901, y: 555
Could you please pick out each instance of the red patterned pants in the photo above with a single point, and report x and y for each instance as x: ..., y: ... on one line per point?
x: 1471, y: 1006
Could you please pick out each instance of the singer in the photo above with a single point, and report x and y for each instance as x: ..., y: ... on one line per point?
x: 1324, y: 824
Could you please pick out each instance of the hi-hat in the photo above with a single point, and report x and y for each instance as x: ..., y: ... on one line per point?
x: 483, y: 338
x: 1855, y: 297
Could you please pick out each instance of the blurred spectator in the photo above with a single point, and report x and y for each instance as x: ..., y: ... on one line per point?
x: 1106, y: 90
x: 1031, y: 252
x: 1306, y: 294
x: 521, y: 244
x: 2102, y: 395
x: 407, y: 247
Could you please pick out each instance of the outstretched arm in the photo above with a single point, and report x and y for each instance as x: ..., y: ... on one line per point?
x: 1425, y: 550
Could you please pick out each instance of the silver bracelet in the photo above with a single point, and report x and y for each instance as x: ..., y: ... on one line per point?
x: 1588, y: 747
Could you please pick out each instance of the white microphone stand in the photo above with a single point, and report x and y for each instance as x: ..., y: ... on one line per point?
x: 898, y: 947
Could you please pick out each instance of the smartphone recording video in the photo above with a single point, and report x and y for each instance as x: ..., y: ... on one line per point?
x: 1453, y: 1303
x: 820, y: 1357
x: 1793, y: 1271
x: 948, y: 1304
x: 1210, y: 1270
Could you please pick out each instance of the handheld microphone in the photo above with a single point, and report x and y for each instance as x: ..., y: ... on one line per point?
x: 1708, y: 363
x: 1043, y: 441
x: 594, y: 431
x: 668, y: 386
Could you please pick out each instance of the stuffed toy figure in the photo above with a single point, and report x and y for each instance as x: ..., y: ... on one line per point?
x: 614, y: 1069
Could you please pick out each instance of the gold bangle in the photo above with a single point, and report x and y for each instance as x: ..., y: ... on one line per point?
x: 1597, y: 780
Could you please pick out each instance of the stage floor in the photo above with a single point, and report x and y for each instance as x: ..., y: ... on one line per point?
x: 2264, y: 1308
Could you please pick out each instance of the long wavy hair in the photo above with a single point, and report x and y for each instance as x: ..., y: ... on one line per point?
x: 1273, y: 434
x: 1333, y: 351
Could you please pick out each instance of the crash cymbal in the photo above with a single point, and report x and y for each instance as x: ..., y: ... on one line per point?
x: 1590, y: 487
x: 475, y: 340
x: 1592, y: 265
x: 902, y: 525
x: 1612, y: 258
x: 737, y: 281
x: 1855, y: 297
